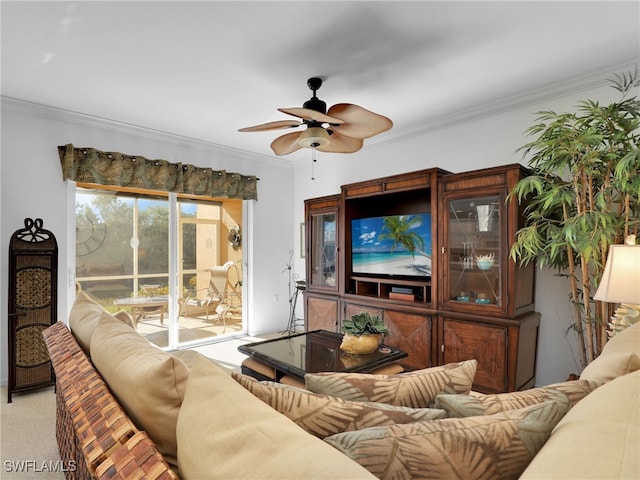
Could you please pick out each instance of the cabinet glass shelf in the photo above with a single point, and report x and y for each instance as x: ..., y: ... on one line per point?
x: 474, y: 250
x: 323, y: 250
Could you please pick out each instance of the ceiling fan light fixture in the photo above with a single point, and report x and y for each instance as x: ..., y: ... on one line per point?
x: 314, y: 137
x: 345, y: 123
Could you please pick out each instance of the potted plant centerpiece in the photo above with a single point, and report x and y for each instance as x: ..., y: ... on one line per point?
x: 362, y: 333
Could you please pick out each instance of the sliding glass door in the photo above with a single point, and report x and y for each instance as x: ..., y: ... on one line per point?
x: 123, y: 252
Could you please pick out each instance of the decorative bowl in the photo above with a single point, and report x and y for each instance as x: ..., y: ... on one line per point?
x: 462, y: 299
x: 360, y: 344
x: 485, y: 262
x: 483, y: 301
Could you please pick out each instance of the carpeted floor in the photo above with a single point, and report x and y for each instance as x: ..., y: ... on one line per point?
x: 28, y: 436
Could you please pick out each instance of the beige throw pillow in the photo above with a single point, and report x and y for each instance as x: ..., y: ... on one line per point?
x: 597, y: 439
x: 83, y: 319
x: 417, y: 389
x: 486, y: 447
x: 225, y: 432
x: 324, y: 415
x: 148, y: 382
x: 626, y: 341
x: 187, y: 356
x: 611, y: 366
x: 125, y: 318
x: 568, y: 393
x: 620, y: 355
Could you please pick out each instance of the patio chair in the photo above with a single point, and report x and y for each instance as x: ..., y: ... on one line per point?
x: 192, y: 305
x: 230, y: 303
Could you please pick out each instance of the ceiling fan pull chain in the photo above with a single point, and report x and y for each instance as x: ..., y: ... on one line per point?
x: 313, y: 161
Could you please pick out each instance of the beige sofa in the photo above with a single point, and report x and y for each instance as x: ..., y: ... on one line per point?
x: 208, y: 422
x: 195, y: 423
x: 599, y: 438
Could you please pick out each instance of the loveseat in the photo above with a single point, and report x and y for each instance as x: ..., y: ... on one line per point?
x: 126, y: 409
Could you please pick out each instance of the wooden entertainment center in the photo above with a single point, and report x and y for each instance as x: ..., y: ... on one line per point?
x: 459, y: 296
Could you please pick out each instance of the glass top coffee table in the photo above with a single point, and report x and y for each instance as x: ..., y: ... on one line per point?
x: 317, y: 351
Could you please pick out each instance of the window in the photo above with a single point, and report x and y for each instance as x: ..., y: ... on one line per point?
x: 123, y: 252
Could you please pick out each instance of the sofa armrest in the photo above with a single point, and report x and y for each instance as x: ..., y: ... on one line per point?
x: 139, y: 458
x: 91, y: 426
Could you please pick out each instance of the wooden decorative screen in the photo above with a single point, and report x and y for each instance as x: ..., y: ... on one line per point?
x: 33, y: 273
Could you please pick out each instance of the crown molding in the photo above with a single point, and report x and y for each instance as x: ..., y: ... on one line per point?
x: 589, y: 81
x: 77, y: 118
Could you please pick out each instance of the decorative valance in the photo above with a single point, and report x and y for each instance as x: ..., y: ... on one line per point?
x: 88, y: 165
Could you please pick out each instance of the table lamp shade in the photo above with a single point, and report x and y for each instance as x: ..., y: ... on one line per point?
x: 621, y: 277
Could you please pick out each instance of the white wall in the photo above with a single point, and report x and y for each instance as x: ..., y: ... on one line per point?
x: 484, y: 142
x: 32, y: 186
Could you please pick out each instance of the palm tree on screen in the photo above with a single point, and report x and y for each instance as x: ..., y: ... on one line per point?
x: 400, y: 230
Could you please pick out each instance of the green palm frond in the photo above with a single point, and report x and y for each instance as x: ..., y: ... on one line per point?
x: 398, y: 229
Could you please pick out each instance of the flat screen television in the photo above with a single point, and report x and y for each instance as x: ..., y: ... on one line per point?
x: 395, y: 245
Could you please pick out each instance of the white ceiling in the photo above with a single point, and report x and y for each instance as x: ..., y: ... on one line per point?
x: 204, y: 69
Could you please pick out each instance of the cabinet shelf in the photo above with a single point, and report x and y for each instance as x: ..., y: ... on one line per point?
x: 457, y: 265
x: 406, y: 291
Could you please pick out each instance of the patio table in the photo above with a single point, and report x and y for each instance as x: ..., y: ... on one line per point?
x: 141, y: 305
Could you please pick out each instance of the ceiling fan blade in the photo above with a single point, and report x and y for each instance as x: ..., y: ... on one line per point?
x: 272, y: 126
x: 308, y: 114
x: 359, y: 122
x: 342, y: 144
x: 287, y: 143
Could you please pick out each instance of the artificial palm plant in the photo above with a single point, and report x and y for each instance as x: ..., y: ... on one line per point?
x: 583, y: 196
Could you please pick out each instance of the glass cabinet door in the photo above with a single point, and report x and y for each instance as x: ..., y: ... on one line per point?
x: 474, y: 251
x: 323, y: 265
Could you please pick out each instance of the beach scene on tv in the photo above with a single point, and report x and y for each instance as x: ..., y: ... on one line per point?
x: 392, y: 245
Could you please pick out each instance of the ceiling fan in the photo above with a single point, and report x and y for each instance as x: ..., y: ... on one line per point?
x: 342, y: 129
